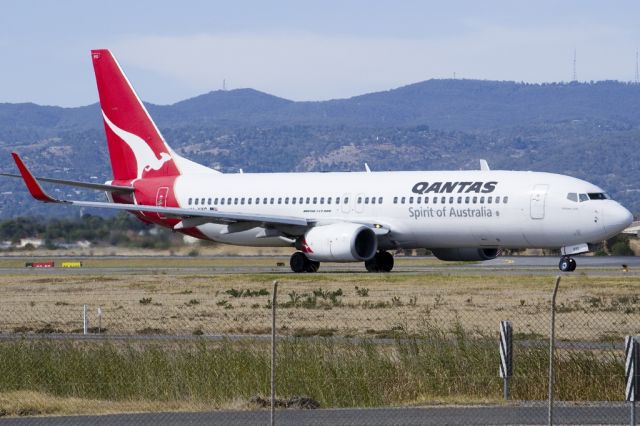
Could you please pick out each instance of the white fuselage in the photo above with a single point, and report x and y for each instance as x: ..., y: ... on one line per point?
x: 494, y: 209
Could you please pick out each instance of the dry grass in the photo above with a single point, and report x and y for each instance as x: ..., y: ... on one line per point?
x: 601, y: 307
x: 32, y: 403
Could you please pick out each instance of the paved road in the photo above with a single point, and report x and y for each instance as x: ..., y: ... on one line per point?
x: 536, y: 414
x: 513, y: 265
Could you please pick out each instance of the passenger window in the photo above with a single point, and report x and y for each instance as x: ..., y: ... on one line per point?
x: 459, y: 200
x: 329, y: 200
x: 379, y: 200
x: 450, y: 200
x: 481, y: 200
x: 402, y: 200
x: 583, y: 197
x: 346, y: 200
x: 435, y: 200
x: 272, y: 200
x: 419, y: 200
x: 197, y: 201
x: 190, y: 201
x: 286, y: 200
x: 321, y: 200
x: 475, y: 200
x: 466, y: 200
x: 443, y: 200
x: 315, y: 200
x: 249, y: 200
x: 498, y: 199
x: 209, y: 201
x: 395, y: 200
x: 337, y: 200
x: 293, y: 200
x: 242, y: 200
x: 279, y: 200
x: 264, y: 201
x: 235, y: 201
x: 300, y: 200
x: 489, y: 199
x: 257, y: 200
x: 426, y: 200
x: 222, y: 201
x: 215, y: 201
x: 572, y: 196
x: 410, y: 200
x: 202, y: 201
x: 373, y: 200
x: 505, y: 200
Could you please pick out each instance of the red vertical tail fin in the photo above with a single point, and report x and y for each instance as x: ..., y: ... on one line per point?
x: 136, y: 147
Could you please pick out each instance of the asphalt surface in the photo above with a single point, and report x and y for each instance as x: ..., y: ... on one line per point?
x: 508, y: 265
x: 534, y: 414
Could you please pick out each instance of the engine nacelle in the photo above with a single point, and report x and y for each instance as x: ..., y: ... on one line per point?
x: 453, y: 254
x: 339, y: 242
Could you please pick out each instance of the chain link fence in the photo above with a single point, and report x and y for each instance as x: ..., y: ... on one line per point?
x: 162, y: 341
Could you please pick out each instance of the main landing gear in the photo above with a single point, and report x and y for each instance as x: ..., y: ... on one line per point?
x: 381, y: 262
x: 567, y: 264
x: 299, y: 262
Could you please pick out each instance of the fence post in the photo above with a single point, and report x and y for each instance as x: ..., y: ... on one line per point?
x: 552, y: 349
x: 99, y: 320
x: 506, y: 355
x: 632, y: 362
x: 273, y: 351
x: 85, y: 320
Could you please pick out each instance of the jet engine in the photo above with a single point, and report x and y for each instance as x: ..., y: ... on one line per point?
x: 339, y: 242
x: 465, y: 253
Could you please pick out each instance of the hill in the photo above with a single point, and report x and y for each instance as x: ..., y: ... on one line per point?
x: 588, y: 130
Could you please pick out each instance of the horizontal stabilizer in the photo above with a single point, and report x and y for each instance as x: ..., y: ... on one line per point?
x: 75, y: 183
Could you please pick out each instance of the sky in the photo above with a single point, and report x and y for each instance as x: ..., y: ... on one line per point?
x: 307, y: 50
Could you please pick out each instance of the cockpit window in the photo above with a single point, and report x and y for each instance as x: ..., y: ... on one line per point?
x: 572, y: 196
x: 583, y: 197
x: 598, y: 196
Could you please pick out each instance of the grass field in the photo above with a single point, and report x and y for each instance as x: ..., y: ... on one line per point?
x: 599, y: 307
x: 442, y: 330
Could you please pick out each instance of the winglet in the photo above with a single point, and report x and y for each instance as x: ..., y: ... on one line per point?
x: 32, y: 184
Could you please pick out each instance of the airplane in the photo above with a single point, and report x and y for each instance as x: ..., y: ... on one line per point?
x: 339, y: 216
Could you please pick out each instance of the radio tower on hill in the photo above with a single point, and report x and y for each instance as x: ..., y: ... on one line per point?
x: 637, y: 73
x: 575, y: 76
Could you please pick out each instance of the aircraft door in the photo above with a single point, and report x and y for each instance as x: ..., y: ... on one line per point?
x: 161, y: 199
x: 538, y: 197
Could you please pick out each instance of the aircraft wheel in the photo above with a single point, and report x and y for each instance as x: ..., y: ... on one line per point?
x: 313, y: 266
x: 299, y: 262
x: 566, y: 263
x: 572, y: 264
x: 385, y: 261
x: 371, y: 264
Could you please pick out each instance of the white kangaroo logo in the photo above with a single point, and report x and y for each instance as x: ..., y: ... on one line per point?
x: 146, y: 159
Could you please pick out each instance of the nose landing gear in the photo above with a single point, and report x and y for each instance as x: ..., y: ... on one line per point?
x: 567, y: 264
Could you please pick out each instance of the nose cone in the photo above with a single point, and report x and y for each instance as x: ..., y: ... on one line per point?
x: 617, y: 218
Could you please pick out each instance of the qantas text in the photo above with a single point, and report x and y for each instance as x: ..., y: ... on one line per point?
x: 453, y: 187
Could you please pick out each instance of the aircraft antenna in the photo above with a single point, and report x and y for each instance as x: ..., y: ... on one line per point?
x: 575, y: 75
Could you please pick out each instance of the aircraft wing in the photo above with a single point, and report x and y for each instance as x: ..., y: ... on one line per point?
x: 39, y: 194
